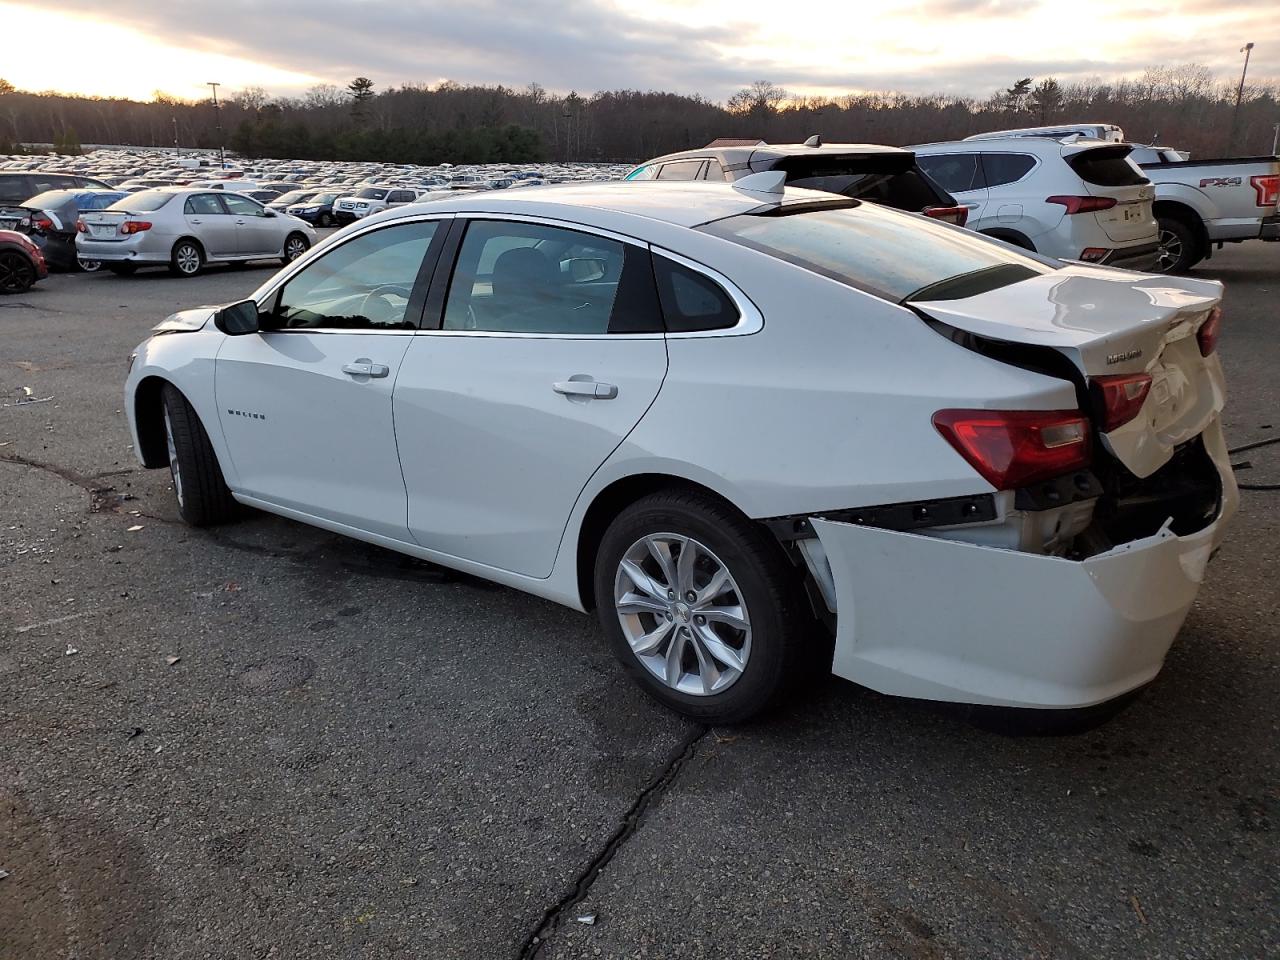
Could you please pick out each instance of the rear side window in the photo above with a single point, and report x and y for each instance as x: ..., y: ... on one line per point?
x: 1002, y: 168
x: 957, y: 172
x: 691, y: 301
x: 714, y: 171
x: 202, y: 203
x: 1107, y: 167
x: 648, y: 172
x: 890, y: 254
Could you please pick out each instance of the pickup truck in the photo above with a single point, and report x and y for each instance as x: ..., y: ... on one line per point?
x: 1200, y: 203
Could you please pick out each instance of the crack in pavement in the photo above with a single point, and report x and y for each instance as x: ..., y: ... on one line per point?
x: 653, y: 791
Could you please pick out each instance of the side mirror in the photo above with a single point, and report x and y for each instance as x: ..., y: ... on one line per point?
x: 238, y: 319
x: 268, y: 212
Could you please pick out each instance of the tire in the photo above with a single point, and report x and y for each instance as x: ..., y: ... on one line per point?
x: 202, y: 493
x: 1179, y: 247
x: 88, y: 266
x: 123, y: 269
x: 295, y: 245
x: 772, y: 652
x: 187, y: 259
x: 326, y: 220
x: 17, y: 272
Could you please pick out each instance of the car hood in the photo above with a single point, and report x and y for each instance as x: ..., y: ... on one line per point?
x: 186, y: 321
x: 1110, y: 322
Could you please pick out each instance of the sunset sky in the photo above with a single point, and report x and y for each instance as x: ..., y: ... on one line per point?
x: 710, y: 46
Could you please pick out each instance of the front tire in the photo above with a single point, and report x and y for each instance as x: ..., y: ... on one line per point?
x: 202, y: 493
x: 187, y: 259
x: 701, y: 607
x: 295, y: 245
x: 326, y: 220
x: 1179, y: 247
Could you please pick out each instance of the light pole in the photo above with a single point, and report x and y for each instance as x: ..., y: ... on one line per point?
x: 176, y: 148
x: 217, y: 112
x: 1235, y: 114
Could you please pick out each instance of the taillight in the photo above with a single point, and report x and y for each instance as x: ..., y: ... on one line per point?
x: 80, y: 227
x: 957, y: 215
x: 1268, y: 189
x: 1014, y: 448
x: 135, y: 226
x: 1119, y: 397
x: 1094, y: 254
x: 1083, y: 204
x: 1207, y: 335
x: 41, y: 222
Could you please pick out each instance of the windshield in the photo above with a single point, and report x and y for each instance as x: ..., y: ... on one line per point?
x: 892, y: 255
x: 144, y: 202
x: 322, y: 198
x: 372, y: 193
x: 293, y: 196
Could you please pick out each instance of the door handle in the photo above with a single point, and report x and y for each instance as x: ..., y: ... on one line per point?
x: 589, y: 389
x: 364, y: 368
x: 194, y: 220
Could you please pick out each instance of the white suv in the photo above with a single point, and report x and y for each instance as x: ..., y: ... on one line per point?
x: 1070, y: 197
x: 369, y: 200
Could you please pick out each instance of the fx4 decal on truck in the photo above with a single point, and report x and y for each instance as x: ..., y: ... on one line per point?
x: 1221, y: 182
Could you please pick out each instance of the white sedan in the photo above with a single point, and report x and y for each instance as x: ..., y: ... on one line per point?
x: 754, y: 429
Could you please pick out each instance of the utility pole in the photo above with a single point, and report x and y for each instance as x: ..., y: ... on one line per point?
x: 176, y: 149
x: 1235, y: 114
x: 217, y: 112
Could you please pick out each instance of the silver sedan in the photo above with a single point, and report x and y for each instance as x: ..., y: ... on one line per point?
x: 186, y: 229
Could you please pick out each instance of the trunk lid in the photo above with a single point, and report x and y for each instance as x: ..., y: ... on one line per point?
x: 104, y: 224
x: 1108, y: 172
x: 1108, y: 323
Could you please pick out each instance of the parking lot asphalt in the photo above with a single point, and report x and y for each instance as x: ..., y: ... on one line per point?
x: 265, y: 740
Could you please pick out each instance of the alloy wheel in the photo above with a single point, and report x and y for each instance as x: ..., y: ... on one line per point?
x: 89, y: 266
x: 1170, y: 250
x: 187, y: 258
x: 294, y: 248
x: 175, y: 469
x: 16, y: 273
x: 682, y: 614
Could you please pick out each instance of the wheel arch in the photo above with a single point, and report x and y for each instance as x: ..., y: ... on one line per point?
x: 1187, y: 215
x: 204, y: 254
x: 613, y: 499
x: 1015, y: 237
x: 148, y: 415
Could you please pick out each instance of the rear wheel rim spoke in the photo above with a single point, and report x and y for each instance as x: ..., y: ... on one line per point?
x: 683, y: 614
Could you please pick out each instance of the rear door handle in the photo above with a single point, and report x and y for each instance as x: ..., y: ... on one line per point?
x: 590, y: 389
x: 364, y: 368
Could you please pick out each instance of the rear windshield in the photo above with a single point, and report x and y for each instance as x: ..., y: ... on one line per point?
x: 891, y: 179
x: 893, y: 255
x: 1108, y: 167
x: 370, y: 193
x: 144, y: 202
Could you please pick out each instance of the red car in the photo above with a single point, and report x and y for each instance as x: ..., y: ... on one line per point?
x: 21, y: 263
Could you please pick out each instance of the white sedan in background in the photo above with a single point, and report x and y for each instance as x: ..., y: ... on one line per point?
x: 754, y: 429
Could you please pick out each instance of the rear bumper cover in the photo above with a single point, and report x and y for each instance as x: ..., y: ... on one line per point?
x: 1142, y: 258
x: 1271, y: 228
x: 939, y: 619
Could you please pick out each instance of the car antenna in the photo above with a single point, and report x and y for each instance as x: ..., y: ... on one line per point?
x: 769, y: 182
x: 814, y: 141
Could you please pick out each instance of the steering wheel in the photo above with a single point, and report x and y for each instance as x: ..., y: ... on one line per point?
x: 381, y: 292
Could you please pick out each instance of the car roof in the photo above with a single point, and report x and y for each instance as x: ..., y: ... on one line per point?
x: 679, y: 203
x: 754, y: 153
x: 1050, y: 145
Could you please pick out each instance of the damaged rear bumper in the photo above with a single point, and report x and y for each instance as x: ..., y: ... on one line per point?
x: 939, y: 619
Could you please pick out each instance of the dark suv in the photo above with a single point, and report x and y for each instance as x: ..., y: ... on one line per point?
x: 18, y: 188
x: 866, y: 171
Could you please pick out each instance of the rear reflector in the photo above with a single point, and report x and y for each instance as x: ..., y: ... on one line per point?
x: 1119, y: 398
x: 1094, y: 254
x: 1083, y: 204
x: 1207, y: 335
x: 80, y: 227
x: 1268, y: 189
x: 957, y: 215
x: 134, y: 226
x: 1014, y: 448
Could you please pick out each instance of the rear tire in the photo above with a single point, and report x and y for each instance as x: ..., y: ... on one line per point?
x: 202, y: 493
x: 1179, y: 247
x: 644, y: 624
x: 88, y: 266
x: 17, y: 272
x: 187, y: 259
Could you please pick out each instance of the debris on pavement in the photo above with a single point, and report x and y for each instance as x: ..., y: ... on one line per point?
x: 171, y: 660
x: 1137, y: 908
x: 135, y: 733
x: 588, y: 918
x: 71, y: 651
x: 135, y: 528
x: 3, y: 874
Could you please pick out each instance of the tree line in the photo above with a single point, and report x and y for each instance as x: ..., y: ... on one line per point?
x: 1184, y: 106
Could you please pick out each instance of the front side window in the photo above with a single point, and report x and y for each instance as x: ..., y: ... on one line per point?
x: 890, y: 254
x: 957, y: 172
x: 243, y: 206
x: 680, y: 170
x: 365, y: 284
x: 531, y: 278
